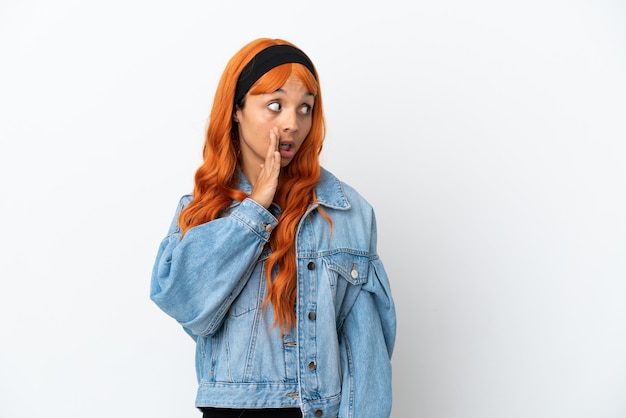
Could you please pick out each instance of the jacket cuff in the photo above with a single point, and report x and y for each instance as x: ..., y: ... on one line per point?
x: 255, y: 217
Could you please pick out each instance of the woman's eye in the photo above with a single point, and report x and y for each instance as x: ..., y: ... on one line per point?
x: 274, y: 106
x: 306, y: 109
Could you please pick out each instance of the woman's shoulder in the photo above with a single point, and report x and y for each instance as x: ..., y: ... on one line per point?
x: 335, y: 192
x: 183, y: 201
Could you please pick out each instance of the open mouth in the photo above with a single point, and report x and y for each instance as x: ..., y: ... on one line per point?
x: 285, y: 147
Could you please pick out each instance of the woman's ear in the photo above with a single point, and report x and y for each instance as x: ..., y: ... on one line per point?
x: 235, y: 114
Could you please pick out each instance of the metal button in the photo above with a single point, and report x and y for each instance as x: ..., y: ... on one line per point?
x: 312, y: 365
x: 312, y: 316
x: 267, y: 227
x: 319, y: 413
x: 354, y: 273
x: 311, y: 265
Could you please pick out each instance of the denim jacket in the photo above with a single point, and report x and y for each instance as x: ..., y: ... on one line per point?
x: 336, y: 361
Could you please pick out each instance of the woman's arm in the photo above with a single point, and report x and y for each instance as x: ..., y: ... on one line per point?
x: 195, y: 279
x: 368, y: 338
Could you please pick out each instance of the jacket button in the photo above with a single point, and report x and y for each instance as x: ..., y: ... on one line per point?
x: 311, y: 265
x: 312, y: 316
x: 319, y: 413
x: 312, y: 365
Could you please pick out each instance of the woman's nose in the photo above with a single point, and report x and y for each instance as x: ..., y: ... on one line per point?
x: 289, y: 122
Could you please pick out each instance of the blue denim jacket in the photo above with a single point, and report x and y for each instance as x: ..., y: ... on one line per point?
x: 336, y: 362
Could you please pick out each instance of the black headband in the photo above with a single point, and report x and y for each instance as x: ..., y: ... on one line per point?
x: 265, y: 60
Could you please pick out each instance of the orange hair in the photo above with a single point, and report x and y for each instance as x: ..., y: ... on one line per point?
x: 217, y: 178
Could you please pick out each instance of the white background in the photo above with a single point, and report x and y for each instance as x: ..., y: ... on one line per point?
x: 489, y: 136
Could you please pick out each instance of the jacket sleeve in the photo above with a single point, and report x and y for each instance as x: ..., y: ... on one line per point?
x: 368, y: 338
x: 195, y: 279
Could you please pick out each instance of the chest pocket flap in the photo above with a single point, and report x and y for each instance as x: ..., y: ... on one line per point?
x: 352, y: 267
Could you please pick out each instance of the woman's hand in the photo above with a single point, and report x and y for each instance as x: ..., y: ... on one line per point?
x: 267, y: 181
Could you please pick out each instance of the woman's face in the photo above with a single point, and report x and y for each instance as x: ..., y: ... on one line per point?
x: 289, y: 109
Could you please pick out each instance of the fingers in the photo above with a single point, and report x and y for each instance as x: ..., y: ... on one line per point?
x: 267, y: 181
x: 274, y: 139
x: 272, y: 158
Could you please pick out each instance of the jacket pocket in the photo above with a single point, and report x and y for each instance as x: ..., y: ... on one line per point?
x: 251, y: 297
x: 351, y: 266
x: 348, y: 272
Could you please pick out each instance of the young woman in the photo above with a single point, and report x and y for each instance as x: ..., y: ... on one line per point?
x: 271, y: 264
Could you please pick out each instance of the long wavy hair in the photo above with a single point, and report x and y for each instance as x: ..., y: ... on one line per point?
x: 217, y: 178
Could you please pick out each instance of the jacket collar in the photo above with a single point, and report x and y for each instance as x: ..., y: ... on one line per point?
x: 330, y: 192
